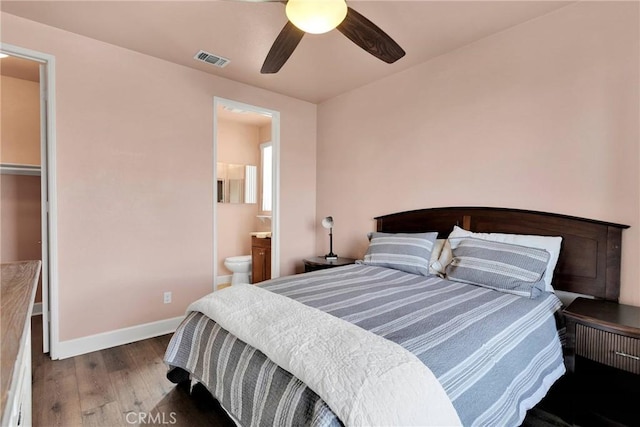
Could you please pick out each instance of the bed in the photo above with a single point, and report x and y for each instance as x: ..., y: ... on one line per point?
x: 373, y: 343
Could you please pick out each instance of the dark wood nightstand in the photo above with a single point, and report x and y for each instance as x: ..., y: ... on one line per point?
x: 603, y: 356
x: 320, y: 263
x: 604, y: 332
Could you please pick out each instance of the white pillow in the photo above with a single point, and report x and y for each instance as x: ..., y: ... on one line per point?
x: 435, y: 255
x: 550, y: 243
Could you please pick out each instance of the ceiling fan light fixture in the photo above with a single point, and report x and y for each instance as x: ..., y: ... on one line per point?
x: 316, y: 16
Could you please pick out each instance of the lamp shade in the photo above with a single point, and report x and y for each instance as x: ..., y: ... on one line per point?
x: 327, y: 222
x: 316, y: 16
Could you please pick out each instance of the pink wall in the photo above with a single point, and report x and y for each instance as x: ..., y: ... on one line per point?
x: 134, y: 178
x: 544, y: 116
x: 237, y: 144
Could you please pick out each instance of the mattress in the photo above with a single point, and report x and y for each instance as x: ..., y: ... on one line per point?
x: 495, y: 354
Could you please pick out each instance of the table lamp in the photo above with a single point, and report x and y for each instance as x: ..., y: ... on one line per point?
x: 328, y: 223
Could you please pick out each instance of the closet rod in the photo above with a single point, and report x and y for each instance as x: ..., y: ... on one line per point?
x: 15, y: 169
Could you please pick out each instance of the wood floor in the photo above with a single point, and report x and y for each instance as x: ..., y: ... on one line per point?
x: 122, y: 386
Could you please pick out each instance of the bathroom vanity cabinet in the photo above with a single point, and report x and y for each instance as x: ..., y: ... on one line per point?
x: 260, y: 259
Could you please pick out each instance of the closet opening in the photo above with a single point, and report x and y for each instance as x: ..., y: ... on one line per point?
x: 26, y: 139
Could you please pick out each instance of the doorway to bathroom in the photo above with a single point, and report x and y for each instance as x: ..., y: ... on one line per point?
x: 246, y: 148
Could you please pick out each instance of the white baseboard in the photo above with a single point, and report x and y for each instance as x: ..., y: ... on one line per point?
x: 223, y: 279
x: 118, y: 337
x: 220, y: 280
x: 37, y: 309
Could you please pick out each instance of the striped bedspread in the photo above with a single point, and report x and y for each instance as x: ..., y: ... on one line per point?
x: 495, y: 354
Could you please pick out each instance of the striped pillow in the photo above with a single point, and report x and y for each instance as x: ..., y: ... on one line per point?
x: 500, y: 266
x: 409, y: 252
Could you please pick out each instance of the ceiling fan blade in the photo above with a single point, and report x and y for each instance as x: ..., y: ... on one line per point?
x: 282, y: 48
x: 370, y: 37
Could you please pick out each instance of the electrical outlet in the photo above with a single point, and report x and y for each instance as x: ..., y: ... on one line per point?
x: 167, y: 297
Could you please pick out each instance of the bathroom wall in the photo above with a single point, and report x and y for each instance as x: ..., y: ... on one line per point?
x: 238, y: 143
x: 264, y: 135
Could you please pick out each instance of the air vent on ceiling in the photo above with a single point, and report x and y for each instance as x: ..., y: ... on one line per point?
x: 212, y: 59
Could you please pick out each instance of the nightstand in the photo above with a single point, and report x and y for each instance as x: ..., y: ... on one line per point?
x: 604, y: 332
x: 603, y: 356
x: 320, y: 263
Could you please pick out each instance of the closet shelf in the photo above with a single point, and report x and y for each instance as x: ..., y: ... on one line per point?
x: 15, y: 169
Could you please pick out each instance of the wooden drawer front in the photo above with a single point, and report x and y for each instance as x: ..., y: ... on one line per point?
x: 607, y: 348
x: 260, y: 243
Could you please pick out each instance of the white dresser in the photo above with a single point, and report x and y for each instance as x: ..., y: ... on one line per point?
x: 19, y: 282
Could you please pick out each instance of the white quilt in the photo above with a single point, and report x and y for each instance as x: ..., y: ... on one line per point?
x: 364, y: 378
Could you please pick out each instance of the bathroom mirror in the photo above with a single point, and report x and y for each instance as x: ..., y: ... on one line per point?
x: 236, y: 183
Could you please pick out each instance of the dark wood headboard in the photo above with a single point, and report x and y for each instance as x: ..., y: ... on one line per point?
x: 589, y: 260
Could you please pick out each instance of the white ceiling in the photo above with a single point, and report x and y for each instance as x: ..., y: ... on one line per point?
x: 323, y: 66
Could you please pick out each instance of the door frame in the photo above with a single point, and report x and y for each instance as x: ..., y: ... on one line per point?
x: 49, y: 206
x: 275, y: 212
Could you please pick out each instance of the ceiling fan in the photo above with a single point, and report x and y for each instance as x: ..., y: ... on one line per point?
x: 321, y: 16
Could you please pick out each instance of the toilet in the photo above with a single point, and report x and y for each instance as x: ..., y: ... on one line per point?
x: 240, y: 266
